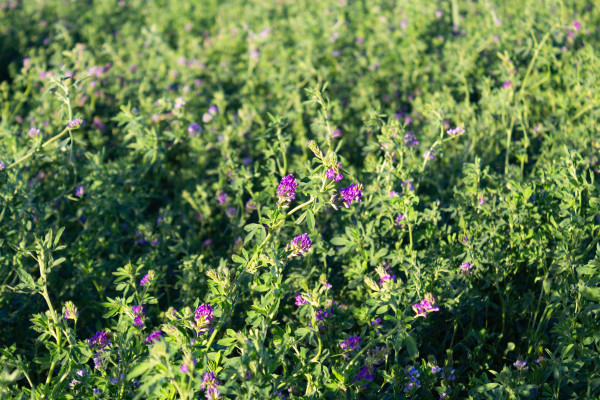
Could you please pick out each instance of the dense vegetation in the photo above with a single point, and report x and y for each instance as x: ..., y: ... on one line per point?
x: 299, y: 199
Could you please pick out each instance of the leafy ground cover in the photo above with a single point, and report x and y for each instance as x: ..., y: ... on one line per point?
x: 299, y: 199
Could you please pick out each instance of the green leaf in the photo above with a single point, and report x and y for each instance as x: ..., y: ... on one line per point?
x: 411, y: 346
x: 486, y: 387
x: 310, y: 220
x: 590, y: 293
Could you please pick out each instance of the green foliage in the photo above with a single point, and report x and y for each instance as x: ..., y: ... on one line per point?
x: 442, y: 239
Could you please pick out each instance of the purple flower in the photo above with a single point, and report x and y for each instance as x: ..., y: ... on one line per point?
x: 456, y: 130
x: 231, y: 212
x: 75, y: 123
x: 33, y: 132
x: 79, y: 191
x: 408, y: 185
x: 521, y: 365
x: 351, y: 194
x: 336, y: 134
x: 331, y: 174
x: 138, y: 322
x: 139, y: 313
x: 203, y: 315
x: 365, y: 374
x: 206, y: 118
x: 430, y: 154
x: 386, y: 278
x: 70, y: 310
x: 213, y: 394
x: 465, y: 268
x: 376, y: 322
x: 481, y: 200
x: 213, y: 110
x: 154, y: 337
x: 222, y: 197
x: 185, y: 367
x: 393, y: 193
x: 96, y: 391
x: 425, y: 306
x: 2, y: 165
x: 145, y: 280
x: 399, y: 220
x: 352, y: 343
x: 299, y: 245
x: 507, y: 85
x: 410, y: 140
x: 209, y: 381
x: 99, y: 363
x: 286, y: 191
x: 101, y: 339
x: 300, y: 301
x: 194, y: 129
x: 576, y: 25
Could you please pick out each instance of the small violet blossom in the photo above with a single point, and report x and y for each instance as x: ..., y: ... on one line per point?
x: 194, y: 129
x: 154, y: 337
x: 34, y: 132
x: 457, y: 130
x: 79, y: 191
x: 465, y: 268
x: 352, y: 343
x: 299, y: 245
x: 425, y: 306
x: 75, y: 123
x: 351, y: 194
x: 286, y: 191
x: 300, y: 301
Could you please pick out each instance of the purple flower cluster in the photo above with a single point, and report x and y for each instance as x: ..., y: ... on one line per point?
x: 209, y: 384
x: 521, y: 365
x: 139, y: 313
x: 386, y: 278
x: 399, y: 221
x: 365, y: 374
x: 70, y: 310
x: 299, y: 245
x: 203, y: 315
x: 407, y: 186
x: 429, y: 154
x: 413, y: 383
x: 351, y: 194
x: 222, y: 197
x: 286, y: 191
x: 154, y: 337
x: 465, y: 268
x: 185, y: 367
x: 425, y: 306
x: 300, y: 301
x: 410, y: 140
x: 100, y: 340
x: 145, y: 280
x: 194, y: 129
x: 75, y: 123
x: 331, y: 174
x: 33, y: 132
x: 457, y: 130
x: 352, y: 343
x: 79, y: 191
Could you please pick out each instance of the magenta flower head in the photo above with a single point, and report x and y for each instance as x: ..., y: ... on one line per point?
x: 300, y: 301
x: 465, y: 268
x: 410, y: 140
x: 209, y: 381
x: 34, y: 132
x: 331, y: 174
x: 576, y: 25
x: 139, y: 313
x: 286, y: 191
x: 521, y: 365
x: 458, y: 129
x: 203, y: 316
x: 147, y: 278
x: 351, y: 194
x: 213, y: 394
x: 194, y: 129
x: 400, y: 221
x: 507, y: 84
x: 70, y: 310
x: 79, y: 191
x: 75, y: 123
x: 430, y: 154
x: 154, y: 337
x: 352, y: 343
x: 299, y: 245
x: 425, y: 306
x: 187, y: 365
x: 100, y: 340
x: 222, y: 197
